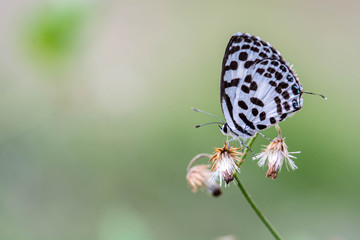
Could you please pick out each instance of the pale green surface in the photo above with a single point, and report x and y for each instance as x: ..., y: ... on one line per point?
x: 96, y: 128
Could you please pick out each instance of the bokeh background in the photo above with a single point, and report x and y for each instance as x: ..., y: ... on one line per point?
x: 96, y: 129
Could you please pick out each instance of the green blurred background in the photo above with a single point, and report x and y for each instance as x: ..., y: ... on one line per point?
x: 96, y: 128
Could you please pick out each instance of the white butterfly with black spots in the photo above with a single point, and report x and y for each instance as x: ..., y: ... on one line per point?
x: 258, y: 87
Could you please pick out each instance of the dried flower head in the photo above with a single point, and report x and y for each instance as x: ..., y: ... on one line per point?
x: 275, y: 154
x: 225, y: 163
x: 199, y: 176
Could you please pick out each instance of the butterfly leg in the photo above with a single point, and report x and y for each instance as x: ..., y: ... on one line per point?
x: 229, y: 141
x: 243, y: 143
x: 264, y: 136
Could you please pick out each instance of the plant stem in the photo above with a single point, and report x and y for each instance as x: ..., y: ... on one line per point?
x: 246, y: 150
x: 251, y: 202
x: 196, y: 158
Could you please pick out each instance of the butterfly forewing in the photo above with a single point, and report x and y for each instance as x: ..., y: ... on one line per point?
x: 258, y: 88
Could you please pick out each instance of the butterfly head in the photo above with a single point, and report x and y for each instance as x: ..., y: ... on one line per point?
x: 225, y: 129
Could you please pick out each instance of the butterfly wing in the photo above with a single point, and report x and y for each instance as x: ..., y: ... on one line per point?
x: 243, y: 84
x: 272, y: 95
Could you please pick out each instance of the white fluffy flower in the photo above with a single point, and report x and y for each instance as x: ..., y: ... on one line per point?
x: 225, y: 163
x: 276, y: 154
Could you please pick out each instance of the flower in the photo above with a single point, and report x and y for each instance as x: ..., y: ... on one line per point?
x: 275, y: 154
x: 225, y: 162
x: 199, y: 176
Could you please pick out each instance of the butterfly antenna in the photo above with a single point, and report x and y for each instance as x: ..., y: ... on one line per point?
x: 316, y: 94
x: 197, y: 126
x: 198, y: 110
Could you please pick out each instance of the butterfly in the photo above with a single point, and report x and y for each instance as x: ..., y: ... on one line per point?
x: 258, y: 87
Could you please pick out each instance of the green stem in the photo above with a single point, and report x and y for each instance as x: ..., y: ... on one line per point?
x: 246, y: 150
x: 251, y: 202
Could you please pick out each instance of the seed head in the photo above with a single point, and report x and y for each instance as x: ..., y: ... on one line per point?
x: 225, y: 162
x: 199, y: 176
x: 276, y: 154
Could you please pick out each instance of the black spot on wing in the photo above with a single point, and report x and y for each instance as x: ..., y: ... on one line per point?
x: 271, y: 70
x: 261, y: 126
x: 236, y: 39
x: 275, y: 63
x: 232, y: 83
x: 254, y: 112
x: 277, y: 100
x: 243, y: 105
x: 274, y: 51
x: 243, y: 56
x: 283, y: 68
x: 283, y: 85
x: 286, y: 106
x: 262, y: 116
x: 263, y: 55
x: 233, y: 65
x: 268, y: 75
x: 253, y: 86
x: 282, y: 117
x: 248, y: 64
x: 295, y: 89
x: 246, y: 121
x: 234, y: 49
x: 260, y: 70
x: 285, y: 95
x: 248, y: 79
x: 254, y: 49
x: 290, y: 78
x: 272, y: 83
x: 257, y: 101
x: 245, y: 89
x: 295, y: 105
x: 278, y: 76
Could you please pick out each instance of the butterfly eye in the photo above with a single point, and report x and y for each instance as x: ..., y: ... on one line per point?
x: 225, y: 129
x: 289, y: 78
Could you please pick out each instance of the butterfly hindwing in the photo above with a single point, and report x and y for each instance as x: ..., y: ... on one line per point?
x: 274, y: 94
